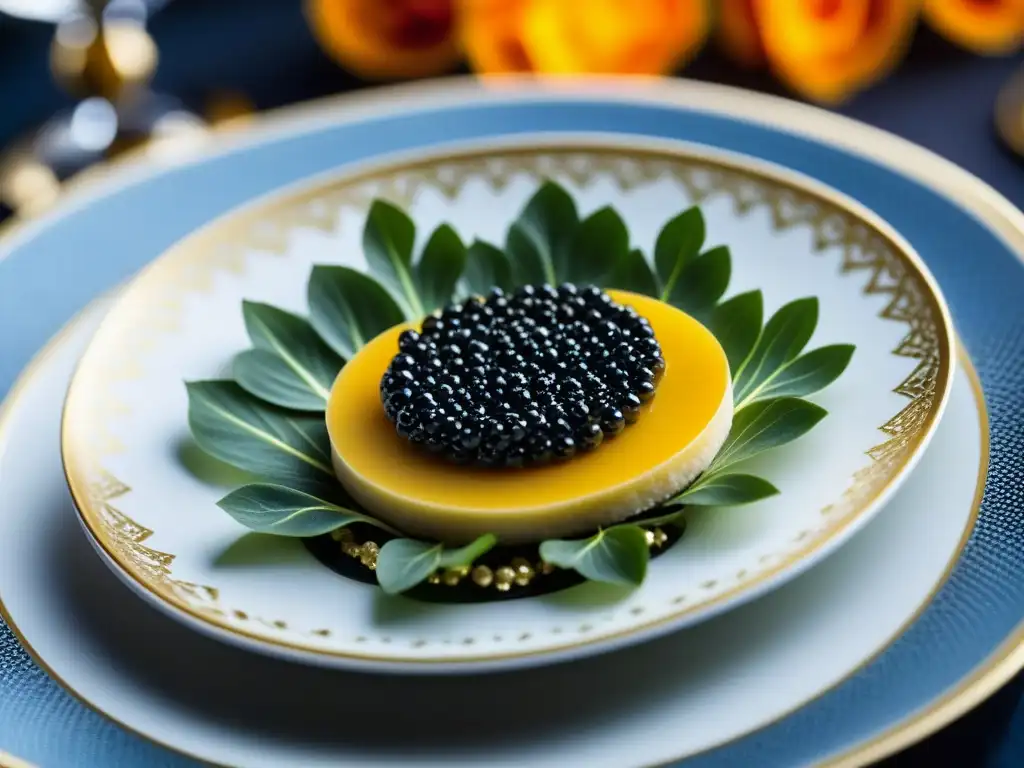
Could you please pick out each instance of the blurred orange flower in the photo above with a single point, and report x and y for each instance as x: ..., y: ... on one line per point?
x: 387, y: 38
x: 824, y: 50
x: 984, y: 26
x: 644, y: 37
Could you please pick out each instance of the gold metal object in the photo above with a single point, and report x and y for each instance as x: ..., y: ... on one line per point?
x: 102, y: 57
x: 102, y: 54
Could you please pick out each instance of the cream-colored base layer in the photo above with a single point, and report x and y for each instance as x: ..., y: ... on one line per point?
x: 580, y: 515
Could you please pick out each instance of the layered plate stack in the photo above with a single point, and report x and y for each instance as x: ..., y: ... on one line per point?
x: 875, y: 598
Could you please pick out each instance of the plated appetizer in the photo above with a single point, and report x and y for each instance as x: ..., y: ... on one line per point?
x: 475, y: 422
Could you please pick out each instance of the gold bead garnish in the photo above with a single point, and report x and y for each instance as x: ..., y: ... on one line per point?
x: 341, y: 534
x: 660, y: 537
x: 350, y: 548
x: 451, y: 578
x: 524, y: 571
x: 483, y: 576
x: 649, y: 535
x: 368, y: 556
x: 434, y: 578
x: 503, y: 578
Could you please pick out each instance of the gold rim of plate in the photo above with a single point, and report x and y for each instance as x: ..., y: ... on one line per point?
x: 872, y: 254
x: 835, y: 130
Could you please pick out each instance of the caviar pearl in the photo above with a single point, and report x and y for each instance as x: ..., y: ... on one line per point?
x: 515, y: 379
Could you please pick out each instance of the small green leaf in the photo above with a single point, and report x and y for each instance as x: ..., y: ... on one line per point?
x: 783, y: 338
x: 678, y: 243
x: 726, y: 490
x: 312, y: 364
x: 601, y: 241
x: 702, y: 282
x: 281, y: 511
x: 542, y: 234
x: 268, y: 377
x: 633, y: 273
x: 348, y: 308
x: 464, y: 556
x: 404, y: 563
x: 766, y: 424
x: 387, y: 245
x: 615, y: 555
x: 807, y: 374
x: 736, y: 324
x: 233, y: 426
x: 527, y: 260
x: 440, y: 266
x: 486, y: 267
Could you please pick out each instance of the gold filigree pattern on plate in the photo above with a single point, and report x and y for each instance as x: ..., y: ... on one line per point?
x: 154, y: 304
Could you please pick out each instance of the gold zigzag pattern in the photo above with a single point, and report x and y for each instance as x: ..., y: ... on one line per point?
x: 193, y: 266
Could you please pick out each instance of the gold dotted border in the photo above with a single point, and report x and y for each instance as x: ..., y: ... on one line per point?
x: 190, y: 267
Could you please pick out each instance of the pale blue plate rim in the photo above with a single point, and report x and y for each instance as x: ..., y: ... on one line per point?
x: 101, y: 243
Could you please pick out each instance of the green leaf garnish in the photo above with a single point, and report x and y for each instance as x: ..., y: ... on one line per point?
x: 702, y: 282
x: 486, y: 267
x: 270, y: 378
x: 540, y: 238
x: 616, y: 555
x: 348, y: 308
x: 283, y: 511
x: 528, y: 263
x: 464, y: 556
x: 806, y: 375
x: 264, y: 424
x: 633, y: 273
x: 387, y: 244
x: 726, y: 490
x: 736, y: 324
x: 783, y: 338
x: 233, y: 426
x: 404, y: 563
x: 600, y: 242
x: 766, y: 424
x: 440, y: 266
x: 308, y: 363
x: 678, y: 243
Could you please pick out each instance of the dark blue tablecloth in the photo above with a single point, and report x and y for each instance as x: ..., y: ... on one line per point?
x: 941, y: 98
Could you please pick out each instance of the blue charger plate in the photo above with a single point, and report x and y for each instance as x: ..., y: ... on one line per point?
x: 963, y: 646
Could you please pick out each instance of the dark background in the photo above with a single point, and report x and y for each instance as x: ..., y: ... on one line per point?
x: 940, y: 97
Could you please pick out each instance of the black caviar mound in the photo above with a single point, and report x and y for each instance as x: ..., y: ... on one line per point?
x: 522, y: 378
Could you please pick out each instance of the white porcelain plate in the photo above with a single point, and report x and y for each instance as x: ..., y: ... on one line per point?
x: 125, y: 438
x: 705, y: 686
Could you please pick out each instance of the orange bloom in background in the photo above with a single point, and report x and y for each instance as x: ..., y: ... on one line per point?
x: 637, y: 37
x: 983, y: 26
x: 824, y: 50
x: 386, y: 39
